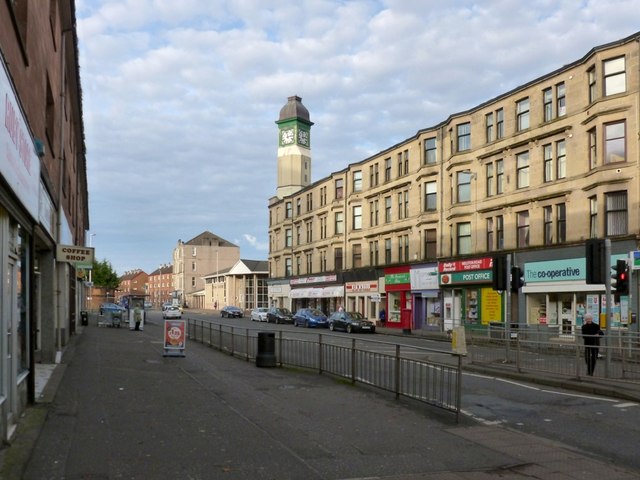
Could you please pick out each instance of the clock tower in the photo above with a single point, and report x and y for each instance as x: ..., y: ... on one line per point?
x: 294, y: 147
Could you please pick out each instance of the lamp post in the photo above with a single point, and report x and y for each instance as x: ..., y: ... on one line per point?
x: 91, y: 269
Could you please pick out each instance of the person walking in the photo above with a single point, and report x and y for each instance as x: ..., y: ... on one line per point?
x: 591, y: 335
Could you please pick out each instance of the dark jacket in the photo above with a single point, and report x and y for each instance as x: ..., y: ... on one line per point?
x: 591, y: 333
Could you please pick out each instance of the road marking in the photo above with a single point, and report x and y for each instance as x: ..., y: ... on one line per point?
x: 625, y: 405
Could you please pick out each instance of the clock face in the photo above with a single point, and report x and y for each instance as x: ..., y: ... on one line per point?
x: 303, y: 137
x: 286, y: 136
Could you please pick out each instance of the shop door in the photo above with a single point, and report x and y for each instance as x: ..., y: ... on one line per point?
x: 10, y: 339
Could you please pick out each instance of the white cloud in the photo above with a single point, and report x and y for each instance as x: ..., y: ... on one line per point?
x: 180, y: 98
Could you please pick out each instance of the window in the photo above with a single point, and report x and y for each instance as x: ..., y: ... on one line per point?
x: 387, y: 170
x: 339, y: 223
x: 339, y: 188
x: 373, y: 213
x: 614, y: 142
x: 561, y: 100
x: 309, y: 226
x: 357, y: 217
x: 490, y: 235
x: 490, y: 180
x: 593, y: 153
x: 373, y: 253
x: 522, y: 169
x: 289, y: 210
x: 323, y: 227
x: 561, y: 225
x: 309, y: 257
x: 403, y: 204
x: 547, y: 101
x: 500, y: 232
x: 547, y: 158
x: 323, y: 260
x: 288, y: 235
x: 463, y: 238
x: 387, y: 251
x: 522, y: 114
x: 548, y: 225
x: 338, y: 259
x: 614, y: 76
x: 309, y: 202
x: 405, y: 156
x: 323, y: 196
x: 593, y: 217
x: 430, y: 197
x: 356, y: 251
x: 430, y: 244
x: 523, y: 229
x: 287, y: 267
x: 464, y: 136
x: 298, y: 235
x: 357, y: 181
x: 298, y: 206
x: 400, y: 164
x: 488, y: 125
x: 298, y: 265
x: 499, y: 176
x: 463, y: 186
x: 591, y: 75
x: 561, y: 159
x: 373, y: 175
x: 387, y: 209
x: 499, y: 123
x: 403, y: 248
x: 430, y: 156
x: 616, y: 213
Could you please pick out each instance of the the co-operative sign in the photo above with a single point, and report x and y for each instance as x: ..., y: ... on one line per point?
x: 79, y: 256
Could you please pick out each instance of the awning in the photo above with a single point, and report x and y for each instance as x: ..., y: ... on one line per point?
x: 318, y: 292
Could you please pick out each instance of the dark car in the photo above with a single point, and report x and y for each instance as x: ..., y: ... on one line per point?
x: 230, y: 311
x: 350, y: 322
x: 310, y: 317
x: 279, y: 315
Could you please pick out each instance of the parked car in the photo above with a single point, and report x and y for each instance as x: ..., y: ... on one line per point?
x: 111, y: 307
x: 350, y: 322
x: 172, y: 312
x: 279, y: 315
x: 310, y: 317
x: 230, y: 311
x: 259, y: 314
x: 148, y: 305
x: 165, y: 305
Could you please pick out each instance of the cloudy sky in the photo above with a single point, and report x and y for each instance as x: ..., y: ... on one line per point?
x: 181, y: 97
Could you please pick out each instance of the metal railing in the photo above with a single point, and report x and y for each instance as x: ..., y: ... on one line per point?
x: 557, y: 353
x: 404, y: 370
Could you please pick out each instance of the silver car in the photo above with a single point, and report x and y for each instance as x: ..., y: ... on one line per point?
x: 259, y: 314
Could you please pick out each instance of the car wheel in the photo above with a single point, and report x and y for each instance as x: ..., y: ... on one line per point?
x: 349, y: 329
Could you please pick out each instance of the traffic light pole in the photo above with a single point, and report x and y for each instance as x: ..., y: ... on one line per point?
x: 607, y: 268
x: 507, y: 311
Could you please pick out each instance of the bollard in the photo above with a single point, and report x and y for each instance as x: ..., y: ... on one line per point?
x: 266, y: 356
x: 84, y: 317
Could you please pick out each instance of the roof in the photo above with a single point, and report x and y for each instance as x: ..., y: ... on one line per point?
x: 208, y: 239
x: 294, y: 110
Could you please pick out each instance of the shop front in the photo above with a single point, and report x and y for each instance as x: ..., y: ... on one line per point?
x: 468, y: 296
x: 397, y: 285
x: 278, y: 293
x: 364, y: 297
x: 425, y: 293
x: 557, y: 297
x: 322, y: 292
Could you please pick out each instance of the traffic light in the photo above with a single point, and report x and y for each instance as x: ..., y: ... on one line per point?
x: 595, y: 256
x: 620, y: 278
x: 517, y: 279
x: 499, y: 272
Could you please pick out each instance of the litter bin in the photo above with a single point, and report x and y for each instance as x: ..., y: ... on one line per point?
x: 266, y: 356
x: 84, y: 317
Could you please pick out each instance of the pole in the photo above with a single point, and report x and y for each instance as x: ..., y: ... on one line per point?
x: 607, y: 268
x: 507, y: 313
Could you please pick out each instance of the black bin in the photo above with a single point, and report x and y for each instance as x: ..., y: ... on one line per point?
x: 266, y: 356
x: 84, y: 317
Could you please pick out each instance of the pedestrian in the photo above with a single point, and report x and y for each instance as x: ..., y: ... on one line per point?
x: 383, y: 317
x: 591, y: 335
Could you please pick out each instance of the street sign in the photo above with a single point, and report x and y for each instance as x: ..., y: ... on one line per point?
x: 635, y: 260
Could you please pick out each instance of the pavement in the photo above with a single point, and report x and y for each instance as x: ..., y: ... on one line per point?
x: 116, y: 408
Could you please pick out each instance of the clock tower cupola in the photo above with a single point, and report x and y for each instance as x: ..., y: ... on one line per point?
x: 294, y: 147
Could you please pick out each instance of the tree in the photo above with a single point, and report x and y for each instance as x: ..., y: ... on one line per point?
x: 103, y: 275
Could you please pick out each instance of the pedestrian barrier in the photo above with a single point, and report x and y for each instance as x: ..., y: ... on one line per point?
x: 401, y: 369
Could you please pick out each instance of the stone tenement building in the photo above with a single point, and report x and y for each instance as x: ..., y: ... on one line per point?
x: 532, y: 173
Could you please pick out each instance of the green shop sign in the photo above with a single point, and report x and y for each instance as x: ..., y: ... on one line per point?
x: 397, y: 278
x: 457, y: 278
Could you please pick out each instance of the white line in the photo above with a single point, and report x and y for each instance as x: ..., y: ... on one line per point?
x: 625, y: 405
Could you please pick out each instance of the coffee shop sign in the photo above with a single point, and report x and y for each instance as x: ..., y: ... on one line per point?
x: 74, y: 254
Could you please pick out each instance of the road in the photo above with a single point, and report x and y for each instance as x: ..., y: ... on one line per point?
x: 605, y: 426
